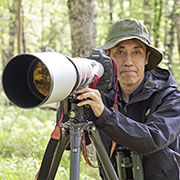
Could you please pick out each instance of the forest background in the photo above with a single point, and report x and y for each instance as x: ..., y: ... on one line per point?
x: 72, y: 28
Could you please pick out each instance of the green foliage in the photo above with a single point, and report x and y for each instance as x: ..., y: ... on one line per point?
x: 46, y: 23
x: 46, y: 26
x: 18, y: 125
x: 16, y: 168
x: 24, y: 135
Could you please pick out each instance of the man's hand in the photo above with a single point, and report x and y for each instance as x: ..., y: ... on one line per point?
x: 91, y: 97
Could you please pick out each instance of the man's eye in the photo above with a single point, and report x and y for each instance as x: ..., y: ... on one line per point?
x: 137, y: 52
x: 120, y: 52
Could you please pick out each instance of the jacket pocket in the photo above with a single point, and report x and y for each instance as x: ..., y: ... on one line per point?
x: 167, y: 161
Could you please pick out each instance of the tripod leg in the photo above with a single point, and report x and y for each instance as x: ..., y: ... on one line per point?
x: 75, y: 142
x: 58, y: 154
x: 137, y: 166
x: 102, y: 154
x: 120, y: 169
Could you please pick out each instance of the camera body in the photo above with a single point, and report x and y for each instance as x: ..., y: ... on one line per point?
x: 107, y: 81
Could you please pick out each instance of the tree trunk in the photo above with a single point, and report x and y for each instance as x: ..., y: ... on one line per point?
x: 172, y: 37
x: 157, y: 20
x: 121, y: 11
x: 43, y: 46
x: 23, y: 34
x: 83, y: 26
x: 9, y: 52
x: 147, y: 16
x: 177, y: 23
x: 166, y: 29
x: 19, y: 27
x: 130, y: 7
x: 171, y: 46
x: 169, y: 43
x: 83, y: 33
x: 111, y: 11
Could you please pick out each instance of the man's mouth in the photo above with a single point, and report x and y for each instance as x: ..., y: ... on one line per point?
x: 128, y: 71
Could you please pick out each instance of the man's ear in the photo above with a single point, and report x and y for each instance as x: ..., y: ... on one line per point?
x: 147, y: 57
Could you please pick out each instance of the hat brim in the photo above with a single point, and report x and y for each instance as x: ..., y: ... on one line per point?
x: 155, y: 56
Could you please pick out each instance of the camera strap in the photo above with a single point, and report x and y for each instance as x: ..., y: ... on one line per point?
x: 84, y: 151
x: 115, y: 106
x: 96, y: 80
x: 83, y: 142
x: 49, y: 153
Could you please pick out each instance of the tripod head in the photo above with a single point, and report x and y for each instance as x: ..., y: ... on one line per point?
x: 77, y: 114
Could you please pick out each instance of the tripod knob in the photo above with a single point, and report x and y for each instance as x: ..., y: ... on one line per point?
x: 72, y: 114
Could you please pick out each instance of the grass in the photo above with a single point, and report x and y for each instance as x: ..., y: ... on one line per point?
x: 24, y: 135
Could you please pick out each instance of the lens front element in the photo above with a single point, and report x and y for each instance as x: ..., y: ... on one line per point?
x: 41, y: 78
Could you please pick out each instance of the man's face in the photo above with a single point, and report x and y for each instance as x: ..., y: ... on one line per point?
x: 131, y: 58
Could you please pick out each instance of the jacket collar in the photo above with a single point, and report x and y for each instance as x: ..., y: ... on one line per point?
x: 155, y: 80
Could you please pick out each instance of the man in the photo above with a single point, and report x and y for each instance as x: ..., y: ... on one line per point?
x: 147, y: 120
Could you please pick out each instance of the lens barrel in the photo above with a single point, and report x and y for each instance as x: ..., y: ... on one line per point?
x: 31, y: 80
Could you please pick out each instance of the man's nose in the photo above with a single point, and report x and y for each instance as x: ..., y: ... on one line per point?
x: 128, y: 60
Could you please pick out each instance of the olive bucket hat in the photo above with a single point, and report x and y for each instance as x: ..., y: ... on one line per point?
x: 132, y: 29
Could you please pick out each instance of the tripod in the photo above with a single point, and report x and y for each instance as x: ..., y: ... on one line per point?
x: 129, y: 164
x: 72, y: 129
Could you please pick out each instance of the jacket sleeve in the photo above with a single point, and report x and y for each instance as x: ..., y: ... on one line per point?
x: 160, y: 129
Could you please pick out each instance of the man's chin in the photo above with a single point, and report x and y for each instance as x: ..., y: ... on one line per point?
x: 128, y: 81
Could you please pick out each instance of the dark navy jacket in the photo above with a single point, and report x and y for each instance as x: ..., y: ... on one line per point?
x: 149, y: 124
